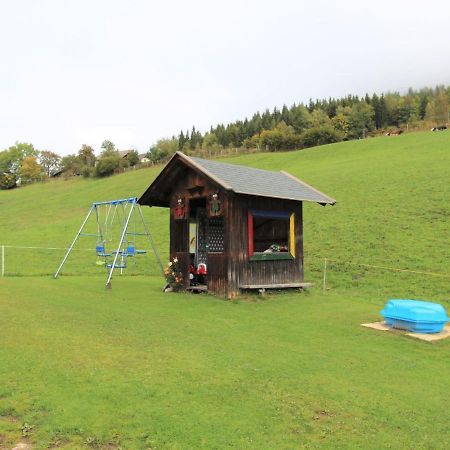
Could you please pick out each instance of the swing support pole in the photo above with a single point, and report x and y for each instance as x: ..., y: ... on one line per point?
x: 122, y: 237
x: 150, y: 238
x: 99, y: 227
x: 113, y: 208
x: 73, y: 242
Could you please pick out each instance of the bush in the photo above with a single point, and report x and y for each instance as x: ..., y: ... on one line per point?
x: 158, y: 154
x: 72, y: 165
x: 320, y: 136
x: 87, y: 172
x: 133, y: 158
x: 124, y: 163
x: 252, y: 142
x: 277, y: 140
x: 106, y: 165
x: 8, y: 181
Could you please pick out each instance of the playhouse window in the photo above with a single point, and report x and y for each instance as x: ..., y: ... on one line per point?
x: 215, y: 235
x: 271, y: 235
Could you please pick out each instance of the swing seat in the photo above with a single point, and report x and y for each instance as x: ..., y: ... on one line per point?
x: 131, y: 250
x: 100, y: 249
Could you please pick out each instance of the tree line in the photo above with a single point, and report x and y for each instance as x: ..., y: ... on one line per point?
x: 23, y: 164
x: 316, y: 123
x: 298, y: 126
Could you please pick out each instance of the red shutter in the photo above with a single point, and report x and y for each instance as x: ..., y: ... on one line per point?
x: 250, y: 234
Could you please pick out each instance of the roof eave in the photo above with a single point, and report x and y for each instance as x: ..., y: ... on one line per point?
x: 320, y: 202
x: 328, y: 200
x: 153, y: 201
x: 206, y: 172
x: 147, y: 192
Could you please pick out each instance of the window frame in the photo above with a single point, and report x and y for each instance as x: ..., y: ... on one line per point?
x: 260, y: 256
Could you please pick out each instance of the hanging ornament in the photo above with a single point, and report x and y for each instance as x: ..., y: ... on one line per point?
x: 215, y: 207
x: 179, y: 210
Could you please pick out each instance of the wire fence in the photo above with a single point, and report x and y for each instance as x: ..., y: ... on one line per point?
x: 327, y: 274
x: 381, y: 280
x: 44, y: 261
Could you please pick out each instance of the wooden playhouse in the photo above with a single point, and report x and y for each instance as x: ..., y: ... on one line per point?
x: 242, y: 226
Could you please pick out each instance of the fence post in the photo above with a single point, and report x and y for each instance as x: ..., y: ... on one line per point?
x: 324, y: 275
x: 3, y: 260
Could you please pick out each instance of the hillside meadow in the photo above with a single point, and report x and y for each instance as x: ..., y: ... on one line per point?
x: 392, y: 211
x: 133, y: 368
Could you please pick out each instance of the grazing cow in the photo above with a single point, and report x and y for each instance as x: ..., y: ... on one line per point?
x: 439, y: 128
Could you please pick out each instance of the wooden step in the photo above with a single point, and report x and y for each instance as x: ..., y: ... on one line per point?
x: 199, y: 288
x: 277, y: 286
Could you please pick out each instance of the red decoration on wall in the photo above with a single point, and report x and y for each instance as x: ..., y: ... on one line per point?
x: 250, y: 234
x: 179, y: 210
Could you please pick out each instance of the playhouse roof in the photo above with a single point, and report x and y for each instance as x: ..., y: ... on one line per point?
x: 235, y: 178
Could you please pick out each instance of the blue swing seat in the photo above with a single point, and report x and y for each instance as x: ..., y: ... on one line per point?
x: 100, y: 249
x: 131, y: 250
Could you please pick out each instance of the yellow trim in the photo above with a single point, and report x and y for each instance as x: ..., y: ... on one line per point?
x: 292, y: 234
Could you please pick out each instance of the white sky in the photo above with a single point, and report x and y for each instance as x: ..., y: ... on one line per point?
x: 79, y: 71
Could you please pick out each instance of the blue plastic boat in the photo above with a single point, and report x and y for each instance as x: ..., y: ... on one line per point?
x: 415, y: 315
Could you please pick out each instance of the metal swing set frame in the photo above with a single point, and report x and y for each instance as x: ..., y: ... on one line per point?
x: 102, y: 234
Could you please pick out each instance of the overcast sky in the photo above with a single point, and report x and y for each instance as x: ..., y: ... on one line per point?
x: 132, y: 71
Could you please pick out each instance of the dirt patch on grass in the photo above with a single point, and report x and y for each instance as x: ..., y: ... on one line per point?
x: 22, y: 446
x: 322, y: 414
x: 57, y: 443
x: 11, y: 419
x: 7, y: 442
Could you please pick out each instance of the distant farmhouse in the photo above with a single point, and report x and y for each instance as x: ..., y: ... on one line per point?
x: 143, y: 158
x: 124, y: 153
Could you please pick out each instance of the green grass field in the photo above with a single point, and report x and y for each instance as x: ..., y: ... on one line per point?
x: 133, y: 368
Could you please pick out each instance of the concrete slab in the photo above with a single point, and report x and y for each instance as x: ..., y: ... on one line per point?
x: 381, y: 326
x: 445, y: 333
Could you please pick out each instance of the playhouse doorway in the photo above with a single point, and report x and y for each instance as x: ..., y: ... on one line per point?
x: 198, y: 242
x: 206, y: 237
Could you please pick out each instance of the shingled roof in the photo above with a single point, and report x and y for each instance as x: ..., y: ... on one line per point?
x: 241, y: 180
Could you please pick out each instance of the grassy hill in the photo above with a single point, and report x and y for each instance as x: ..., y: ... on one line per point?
x: 392, y: 211
x: 84, y: 367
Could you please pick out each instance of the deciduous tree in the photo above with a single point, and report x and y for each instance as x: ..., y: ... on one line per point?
x: 30, y: 170
x: 71, y: 165
x: 108, y: 148
x: 210, y: 142
x: 320, y: 135
x: 360, y: 120
x: 164, y: 148
x: 133, y: 158
x: 106, y: 165
x: 11, y: 159
x: 87, y: 156
x: 438, y: 109
x: 50, y: 161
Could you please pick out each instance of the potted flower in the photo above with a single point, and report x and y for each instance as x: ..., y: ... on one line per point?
x: 173, y: 276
